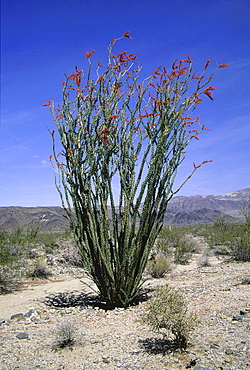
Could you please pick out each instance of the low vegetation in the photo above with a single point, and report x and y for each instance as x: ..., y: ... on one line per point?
x: 31, y: 254
x: 167, y: 315
x: 27, y: 252
x: 64, y: 334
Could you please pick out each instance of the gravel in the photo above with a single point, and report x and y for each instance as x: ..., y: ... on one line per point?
x: 117, y: 340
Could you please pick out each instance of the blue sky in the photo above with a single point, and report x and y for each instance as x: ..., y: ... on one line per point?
x: 42, y: 40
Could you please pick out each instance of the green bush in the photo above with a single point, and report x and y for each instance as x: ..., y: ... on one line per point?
x: 13, y: 250
x: 10, y: 248
x: 167, y: 314
x: 158, y: 265
x: 175, y: 242
x: 182, y: 251
x: 32, y: 232
x: 246, y: 213
x: 229, y: 238
x: 240, y: 249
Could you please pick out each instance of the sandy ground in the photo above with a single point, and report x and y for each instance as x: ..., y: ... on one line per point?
x: 115, y: 339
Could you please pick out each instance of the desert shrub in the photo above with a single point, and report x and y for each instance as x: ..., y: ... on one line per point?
x: 221, y: 250
x: 229, y: 238
x: 167, y: 314
x: 32, y: 232
x: 203, y: 260
x: 221, y: 232
x: 240, y: 250
x: 158, y: 265
x: 16, y: 237
x: 7, y: 280
x: 168, y: 238
x: 246, y: 213
x: 72, y: 255
x: 64, y: 334
x: 162, y: 245
x: 61, y: 247
x: 51, y: 248
x: 11, y: 262
x: 8, y: 253
x: 241, y: 246
x: 40, y: 270
x: 175, y: 242
x: 13, y: 244
x: 52, y: 241
x: 182, y: 251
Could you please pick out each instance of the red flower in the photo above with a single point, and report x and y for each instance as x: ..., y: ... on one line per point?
x: 209, y: 94
x: 131, y: 56
x: 88, y: 54
x: 223, y: 65
x: 46, y: 105
x: 99, y: 64
x: 146, y: 115
x: 206, y: 65
x: 196, y: 166
x: 126, y: 34
x: 174, y: 66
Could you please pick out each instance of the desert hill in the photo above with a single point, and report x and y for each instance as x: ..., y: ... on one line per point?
x: 182, y: 210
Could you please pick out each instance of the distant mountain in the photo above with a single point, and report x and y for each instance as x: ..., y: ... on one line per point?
x: 49, y: 218
x: 198, y: 209
x: 198, y: 216
x: 230, y: 204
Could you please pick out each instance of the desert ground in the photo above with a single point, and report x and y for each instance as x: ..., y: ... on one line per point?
x: 31, y: 319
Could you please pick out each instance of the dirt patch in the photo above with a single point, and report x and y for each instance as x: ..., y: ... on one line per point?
x: 115, y: 339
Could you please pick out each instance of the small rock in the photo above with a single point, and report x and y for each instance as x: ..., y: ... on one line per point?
x: 18, y: 316
x: 243, y: 313
x: 192, y: 363
x: 2, y: 321
x: 31, y: 312
x: 199, y: 367
x: 105, y: 359
x: 229, y: 351
x: 29, y: 367
x: 135, y: 352
x: 237, y: 318
x: 245, y: 280
x: 22, y: 336
x: 214, y: 345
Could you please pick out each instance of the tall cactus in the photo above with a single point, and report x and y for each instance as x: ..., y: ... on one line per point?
x: 122, y: 140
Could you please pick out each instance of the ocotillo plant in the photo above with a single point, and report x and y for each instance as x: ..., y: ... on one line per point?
x: 120, y: 132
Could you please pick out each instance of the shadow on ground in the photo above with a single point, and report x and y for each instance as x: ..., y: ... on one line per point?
x: 157, y: 346
x: 70, y: 299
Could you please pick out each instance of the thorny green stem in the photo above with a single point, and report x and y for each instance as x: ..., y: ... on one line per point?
x: 122, y: 143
